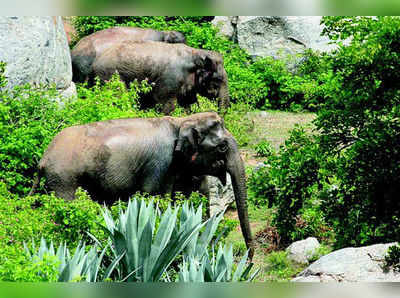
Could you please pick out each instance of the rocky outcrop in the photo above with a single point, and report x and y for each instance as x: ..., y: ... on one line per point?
x: 36, y: 51
x: 350, y: 265
x: 219, y: 196
x: 278, y: 37
x: 301, y: 252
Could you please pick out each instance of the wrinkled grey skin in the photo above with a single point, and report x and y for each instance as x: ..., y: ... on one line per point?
x: 89, y: 47
x: 176, y: 71
x: 114, y: 159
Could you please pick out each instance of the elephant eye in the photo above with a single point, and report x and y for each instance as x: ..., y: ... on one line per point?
x: 222, y: 147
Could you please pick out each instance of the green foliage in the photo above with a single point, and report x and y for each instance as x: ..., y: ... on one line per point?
x: 392, y: 258
x: 79, y: 266
x: 147, y: 242
x: 46, y: 216
x: 264, y: 149
x: 359, y: 124
x: 321, y: 251
x: 279, y: 267
x: 21, y: 268
x: 220, y: 268
x: 238, y: 123
x: 28, y: 120
x: 290, y: 181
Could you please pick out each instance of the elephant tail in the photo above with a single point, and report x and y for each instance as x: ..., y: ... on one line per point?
x: 36, y: 182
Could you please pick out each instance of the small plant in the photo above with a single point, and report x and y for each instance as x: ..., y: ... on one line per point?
x: 147, y: 242
x: 320, y: 252
x: 220, y: 268
x: 264, y: 149
x: 392, y: 258
x: 82, y: 266
x: 279, y: 267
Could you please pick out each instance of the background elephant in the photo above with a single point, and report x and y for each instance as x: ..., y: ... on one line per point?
x: 176, y: 71
x: 89, y: 47
x: 114, y: 159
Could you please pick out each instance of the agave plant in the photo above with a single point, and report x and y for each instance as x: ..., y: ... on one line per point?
x: 147, y: 250
x: 81, y: 266
x: 200, y: 242
x: 219, y: 268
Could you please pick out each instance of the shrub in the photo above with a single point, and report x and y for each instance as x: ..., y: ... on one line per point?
x: 392, y: 258
x: 264, y: 149
x: 291, y: 181
x: 279, y: 267
x: 27, y: 218
x: 359, y: 124
x: 20, y: 267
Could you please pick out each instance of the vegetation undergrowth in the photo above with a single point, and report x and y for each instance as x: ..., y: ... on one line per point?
x: 337, y: 181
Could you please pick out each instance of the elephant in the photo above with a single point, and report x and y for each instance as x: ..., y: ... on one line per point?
x: 89, y: 47
x: 114, y: 159
x: 175, y: 71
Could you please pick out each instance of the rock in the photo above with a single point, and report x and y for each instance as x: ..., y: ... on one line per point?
x: 266, y: 36
x: 36, y: 51
x: 226, y: 26
x: 280, y: 36
x: 302, y: 251
x: 219, y: 196
x: 350, y: 265
x: 259, y: 166
x: 308, y: 30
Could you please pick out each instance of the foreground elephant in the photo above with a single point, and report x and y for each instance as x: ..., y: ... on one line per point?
x: 176, y: 71
x: 114, y: 159
x: 84, y: 53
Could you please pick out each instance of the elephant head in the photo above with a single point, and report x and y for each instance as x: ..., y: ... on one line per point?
x: 174, y: 37
x: 207, y: 148
x: 213, y: 79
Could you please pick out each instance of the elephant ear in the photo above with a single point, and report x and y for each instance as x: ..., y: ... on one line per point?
x: 204, y: 69
x: 203, y: 61
x: 188, y: 139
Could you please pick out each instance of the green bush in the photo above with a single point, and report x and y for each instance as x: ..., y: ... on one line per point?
x: 359, y: 124
x: 392, y: 258
x: 264, y: 149
x: 291, y: 182
x: 23, y: 219
x: 279, y: 267
x: 21, y: 268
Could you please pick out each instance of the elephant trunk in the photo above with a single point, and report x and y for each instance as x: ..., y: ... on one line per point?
x: 235, y: 168
x: 223, y: 97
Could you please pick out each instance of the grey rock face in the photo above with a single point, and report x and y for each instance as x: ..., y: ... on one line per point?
x: 302, y: 251
x: 220, y: 197
x: 36, y: 51
x: 350, y: 265
x: 225, y: 25
x: 278, y: 37
x: 266, y: 36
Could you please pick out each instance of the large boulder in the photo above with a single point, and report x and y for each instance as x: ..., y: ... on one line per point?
x: 350, y: 265
x: 303, y: 251
x: 226, y: 26
x: 278, y: 37
x: 36, y: 51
